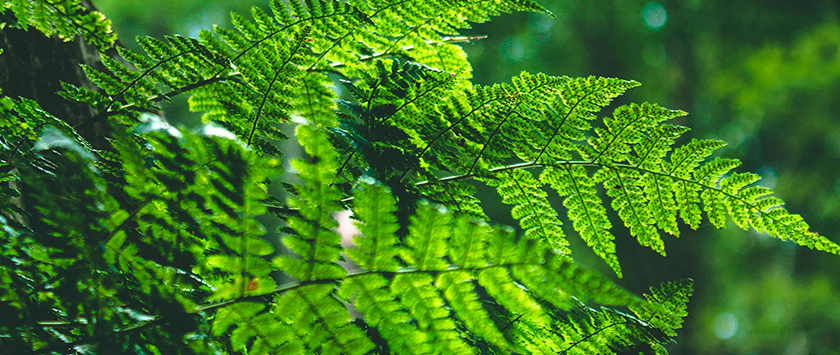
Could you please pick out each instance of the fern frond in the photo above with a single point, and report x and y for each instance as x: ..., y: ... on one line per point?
x: 433, y: 302
x: 586, y: 209
x: 65, y: 18
x: 531, y: 207
x: 316, y: 243
x: 548, y: 123
x: 666, y: 306
x: 377, y: 245
x: 630, y: 202
x: 432, y: 275
x: 586, y: 330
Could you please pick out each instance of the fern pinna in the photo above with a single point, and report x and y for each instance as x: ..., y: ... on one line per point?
x: 168, y: 255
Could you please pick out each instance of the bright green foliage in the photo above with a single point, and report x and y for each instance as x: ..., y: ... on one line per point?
x: 443, y: 262
x: 153, y: 246
x: 531, y: 207
x: 65, y: 18
x: 585, y: 208
x: 586, y: 330
x: 315, y: 240
x: 376, y: 245
x: 666, y: 306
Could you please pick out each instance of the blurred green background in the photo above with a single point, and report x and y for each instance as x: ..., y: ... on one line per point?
x: 763, y: 76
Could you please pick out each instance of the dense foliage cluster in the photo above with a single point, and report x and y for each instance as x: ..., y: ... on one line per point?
x: 153, y: 245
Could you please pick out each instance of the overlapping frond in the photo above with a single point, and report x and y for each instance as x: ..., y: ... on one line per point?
x: 65, y: 18
x: 315, y: 242
x: 550, y: 123
x: 423, y: 293
x: 168, y: 252
x: 109, y: 246
x: 454, y: 261
x: 273, y: 66
x: 586, y: 330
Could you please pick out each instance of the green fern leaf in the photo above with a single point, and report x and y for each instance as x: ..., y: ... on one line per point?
x: 663, y: 207
x: 631, y: 203
x: 628, y: 127
x: 377, y: 246
x: 65, y: 18
x: 666, y: 306
x: 317, y: 244
x: 321, y: 323
x: 420, y: 296
x: 531, y: 207
x: 427, y: 237
x: 372, y: 295
x: 586, y: 209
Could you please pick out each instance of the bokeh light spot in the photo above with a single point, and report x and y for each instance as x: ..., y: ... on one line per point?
x: 725, y: 325
x: 512, y: 50
x: 654, y: 15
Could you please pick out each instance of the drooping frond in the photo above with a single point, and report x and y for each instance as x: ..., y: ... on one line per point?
x: 585, y: 330
x: 666, y: 306
x: 550, y: 124
x: 65, y: 18
x: 531, y: 207
x: 585, y: 207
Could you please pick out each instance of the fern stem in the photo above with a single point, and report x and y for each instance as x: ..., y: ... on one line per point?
x: 525, y: 165
x: 590, y: 163
x: 134, y: 82
x: 268, y: 90
x: 129, y: 107
x: 490, y: 138
x: 587, y: 336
